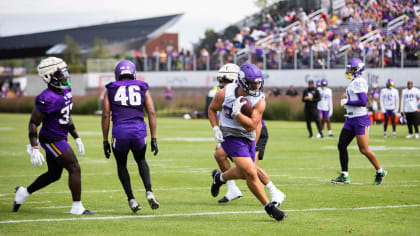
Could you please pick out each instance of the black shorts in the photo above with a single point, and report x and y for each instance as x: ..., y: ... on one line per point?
x: 262, y: 141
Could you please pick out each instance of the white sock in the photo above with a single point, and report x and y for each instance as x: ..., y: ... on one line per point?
x: 77, y: 208
x: 345, y: 173
x: 270, y: 185
x: 21, y: 195
x: 394, y: 133
x: 221, y: 178
x: 379, y: 171
x: 231, y: 183
x: 329, y: 132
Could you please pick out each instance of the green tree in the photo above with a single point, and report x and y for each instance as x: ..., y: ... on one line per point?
x: 263, y: 3
x: 100, y: 48
x: 72, y: 52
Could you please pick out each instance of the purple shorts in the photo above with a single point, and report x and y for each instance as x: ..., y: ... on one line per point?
x: 239, y: 147
x: 56, y: 149
x: 324, y: 114
x: 124, y: 145
x: 389, y: 113
x: 359, y: 125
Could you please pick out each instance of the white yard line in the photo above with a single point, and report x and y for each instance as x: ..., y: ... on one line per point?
x: 200, y: 214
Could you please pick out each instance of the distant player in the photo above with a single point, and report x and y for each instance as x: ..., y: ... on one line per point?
x: 226, y: 75
x: 374, y: 100
x: 126, y: 98
x: 325, y: 106
x: 53, y: 109
x: 311, y: 97
x: 237, y: 133
x: 357, y: 123
x: 410, y: 99
x: 389, y: 105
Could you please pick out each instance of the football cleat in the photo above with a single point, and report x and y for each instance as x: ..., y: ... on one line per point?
x: 215, y: 186
x: 20, y: 196
x: 87, y: 212
x: 274, y: 212
x: 417, y: 136
x: 277, y: 197
x: 380, y: 177
x: 82, y: 212
x: 153, y: 202
x: 409, y: 136
x: 341, y: 180
x: 134, y: 205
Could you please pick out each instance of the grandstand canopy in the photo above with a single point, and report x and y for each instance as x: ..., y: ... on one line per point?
x: 121, y: 37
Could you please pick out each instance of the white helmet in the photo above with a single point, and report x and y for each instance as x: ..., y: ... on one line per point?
x: 228, y: 73
x: 48, y: 68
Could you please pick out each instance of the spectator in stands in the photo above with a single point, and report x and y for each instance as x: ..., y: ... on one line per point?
x: 291, y: 91
x: 168, y: 93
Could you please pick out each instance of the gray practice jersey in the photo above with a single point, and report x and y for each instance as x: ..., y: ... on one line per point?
x: 229, y: 125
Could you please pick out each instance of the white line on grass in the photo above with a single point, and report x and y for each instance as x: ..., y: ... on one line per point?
x: 200, y: 214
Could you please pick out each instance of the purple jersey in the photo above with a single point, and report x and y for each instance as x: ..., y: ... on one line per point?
x: 126, y: 98
x: 57, y: 108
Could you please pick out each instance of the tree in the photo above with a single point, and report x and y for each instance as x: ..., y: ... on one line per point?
x: 263, y: 3
x: 72, y: 52
x: 100, y: 48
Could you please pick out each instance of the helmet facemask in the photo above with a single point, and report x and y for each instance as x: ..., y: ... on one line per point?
x: 60, y: 79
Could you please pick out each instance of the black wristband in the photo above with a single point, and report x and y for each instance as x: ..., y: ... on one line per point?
x: 33, y: 122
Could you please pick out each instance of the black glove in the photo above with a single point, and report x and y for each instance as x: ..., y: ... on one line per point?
x: 154, y: 146
x: 107, y: 149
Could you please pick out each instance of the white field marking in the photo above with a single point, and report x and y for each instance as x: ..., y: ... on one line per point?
x: 41, y: 202
x: 302, y: 177
x: 188, y: 139
x: 53, y: 207
x: 353, y: 167
x: 89, y: 133
x: 378, y: 148
x: 201, y: 214
x: 280, y: 175
x: 6, y: 128
x: 16, y: 176
x: 109, y: 210
x: 15, y: 154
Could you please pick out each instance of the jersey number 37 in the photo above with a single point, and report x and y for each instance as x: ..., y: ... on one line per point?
x: 133, y: 98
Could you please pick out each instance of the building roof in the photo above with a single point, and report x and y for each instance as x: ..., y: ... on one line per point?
x: 121, y: 36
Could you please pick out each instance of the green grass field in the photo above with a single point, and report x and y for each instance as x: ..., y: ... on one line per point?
x: 181, y: 180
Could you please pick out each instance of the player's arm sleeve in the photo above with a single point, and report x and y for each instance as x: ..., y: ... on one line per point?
x: 397, y: 101
x: 44, y: 105
x: 402, y: 101
x: 381, y: 100
x: 360, y: 102
x: 304, y: 95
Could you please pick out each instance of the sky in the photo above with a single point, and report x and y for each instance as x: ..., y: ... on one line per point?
x: 29, y: 16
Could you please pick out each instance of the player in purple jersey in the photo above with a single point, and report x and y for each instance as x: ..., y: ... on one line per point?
x: 237, y: 133
x: 126, y: 98
x: 52, y: 109
x: 357, y: 123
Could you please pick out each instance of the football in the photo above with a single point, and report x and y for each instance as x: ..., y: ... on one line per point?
x: 246, y: 109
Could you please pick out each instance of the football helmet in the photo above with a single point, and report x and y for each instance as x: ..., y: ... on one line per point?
x: 354, y: 68
x: 125, y: 69
x: 228, y: 73
x: 389, y: 83
x: 324, y: 82
x: 53, y: 71
x: 318, y: 83
x: 251, y: 80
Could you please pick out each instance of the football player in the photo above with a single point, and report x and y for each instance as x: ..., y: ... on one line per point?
x: 237, y: 133
x: 52, y: 109
x: 410, y: 99
x: 325, y: 106
x: 126, y: 98
x: 389, y: 100
x: 357, y: 123
x: 226, y: 75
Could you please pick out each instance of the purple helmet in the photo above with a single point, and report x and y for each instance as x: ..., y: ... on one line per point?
x: 354, y: 68
x: 318, y: 83
x: 389, y: 83
x: 125, y: 69
x: 250, y: 73
x: 324, y: 82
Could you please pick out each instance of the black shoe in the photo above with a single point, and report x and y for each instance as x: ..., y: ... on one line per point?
x: 274, y: 212
x: 215, y: 186
x: 15, y: 207
x: 87, y: 212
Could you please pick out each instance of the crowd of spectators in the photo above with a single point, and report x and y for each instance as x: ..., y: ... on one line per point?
x: 300, y: 39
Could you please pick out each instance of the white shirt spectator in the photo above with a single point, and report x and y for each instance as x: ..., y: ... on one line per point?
x: 410, y: 100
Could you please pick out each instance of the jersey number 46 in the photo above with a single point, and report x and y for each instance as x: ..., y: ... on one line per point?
x: 133, y: 98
